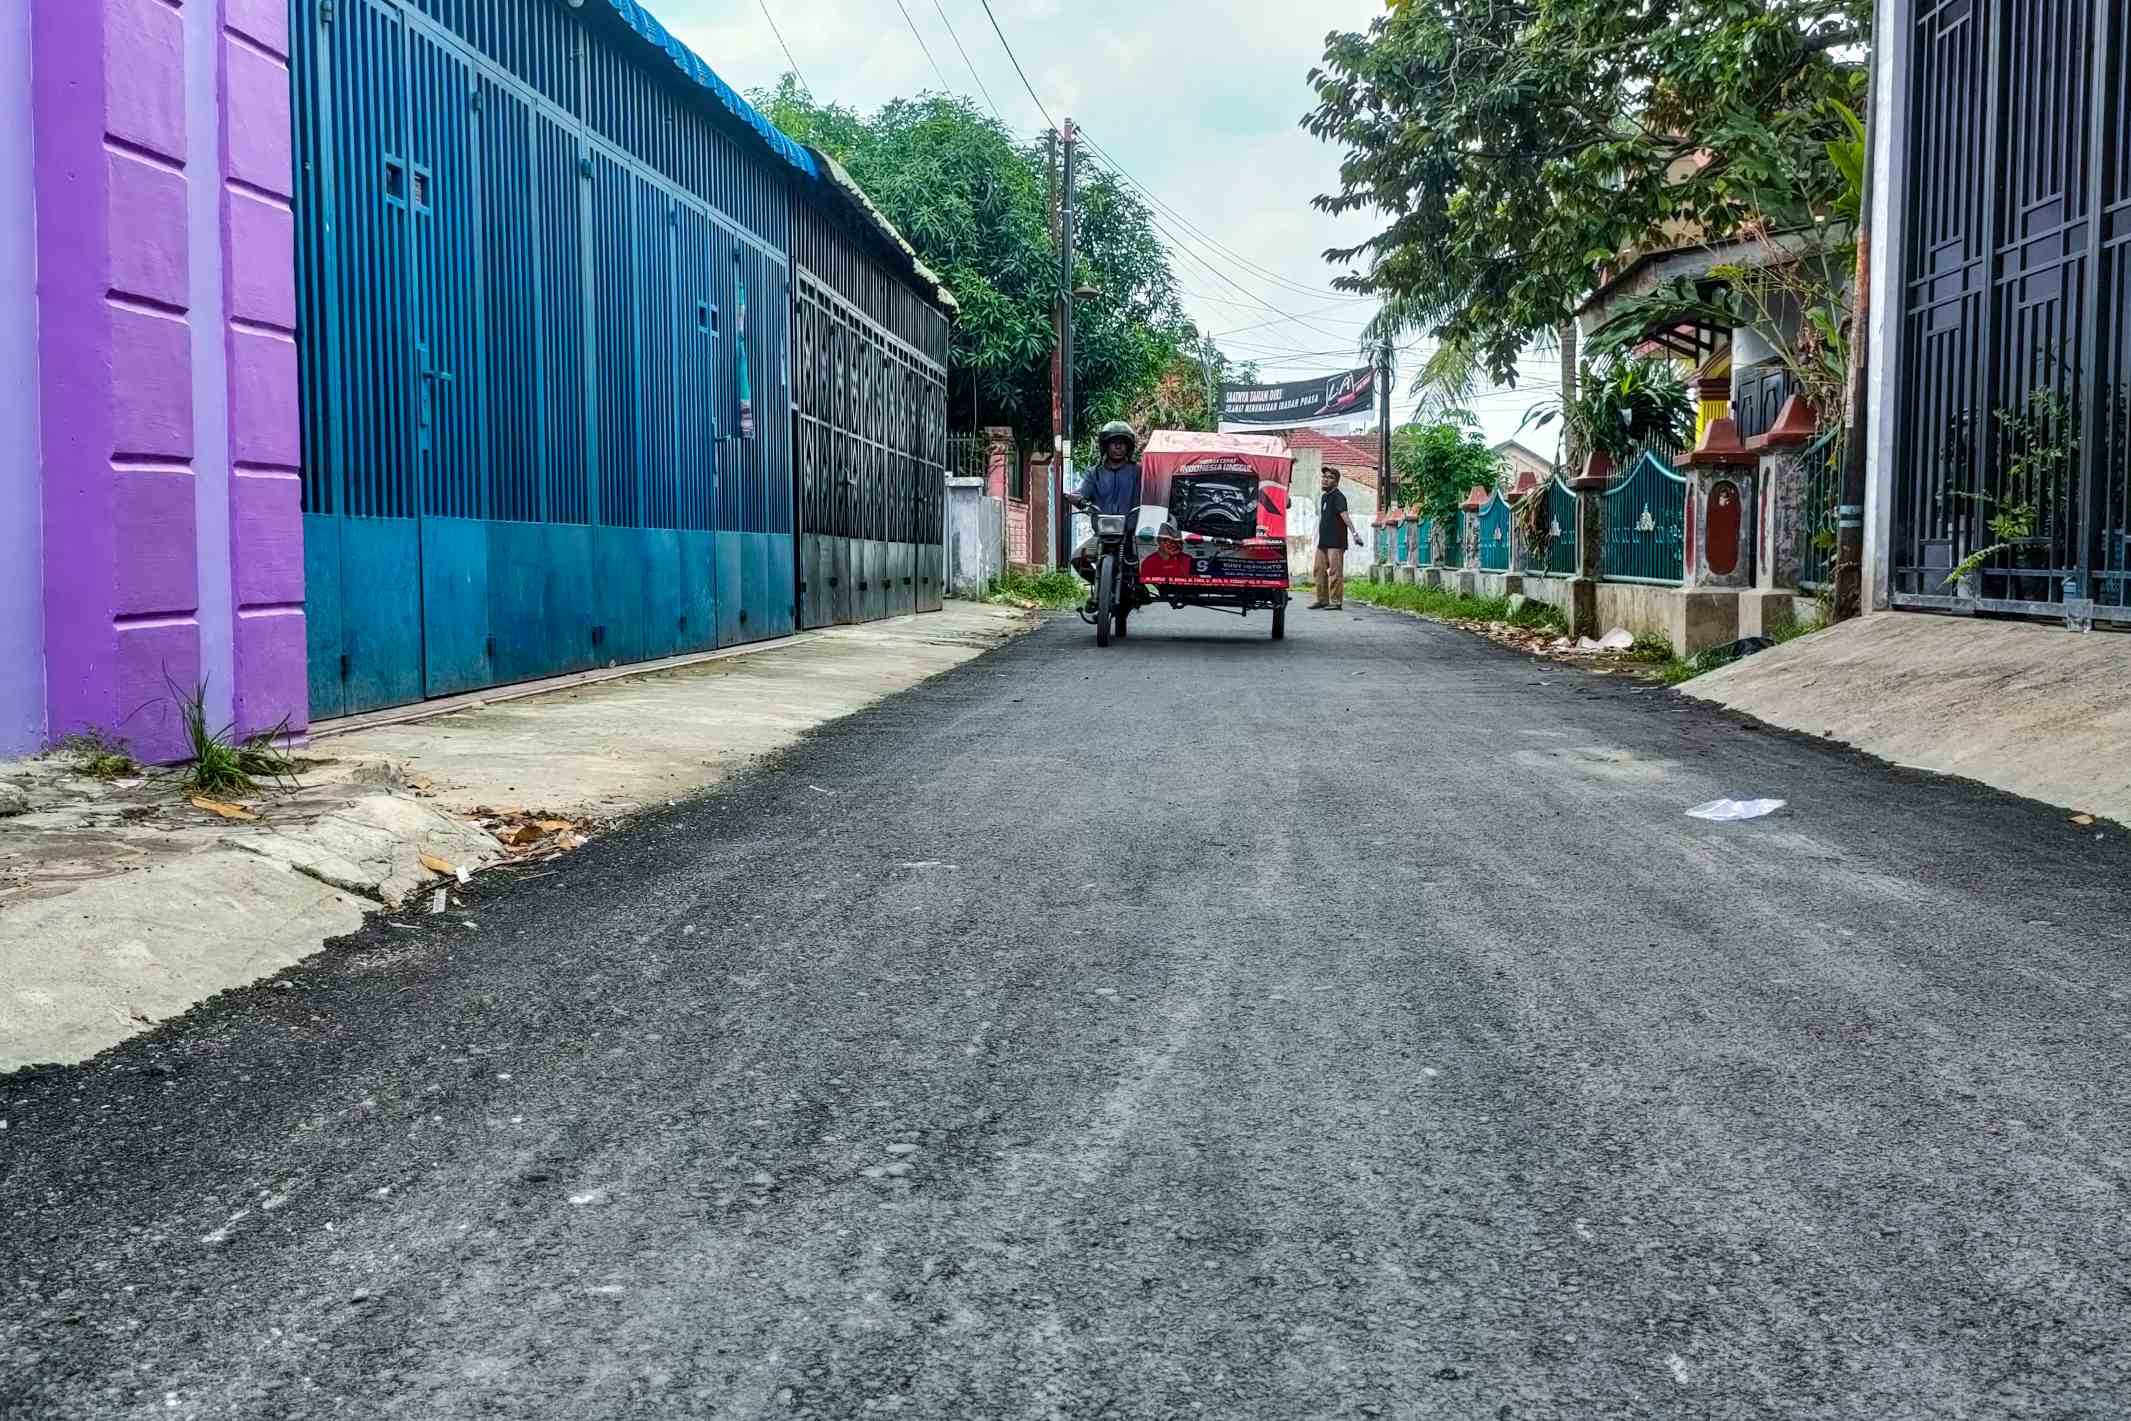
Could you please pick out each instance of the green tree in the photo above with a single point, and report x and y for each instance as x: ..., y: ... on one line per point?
x: 1520, y: 146
x: 974, y: 203
x: 1434, y: 466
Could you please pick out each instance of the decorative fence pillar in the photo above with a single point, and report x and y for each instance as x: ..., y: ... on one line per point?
x: 1589, y: 489
x: 1043, y: 535
x: 1416, y: 534
x: 1720, y: 545
x: 1782, y: 481
x: 1468, y: 581
x: 998, y: 461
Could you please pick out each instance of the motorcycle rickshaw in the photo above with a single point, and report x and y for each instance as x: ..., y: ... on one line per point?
x: 1211, y: 531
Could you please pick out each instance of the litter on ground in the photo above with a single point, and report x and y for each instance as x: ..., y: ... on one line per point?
x: 1724, y: 811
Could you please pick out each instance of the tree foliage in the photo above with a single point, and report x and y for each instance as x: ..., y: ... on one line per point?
x: 1520, y: 146
x: 974, y: 202
x: 1434, y: 466
x: 1622, y: 405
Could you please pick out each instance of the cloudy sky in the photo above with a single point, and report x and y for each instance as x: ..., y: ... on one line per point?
x: 1200, y: 103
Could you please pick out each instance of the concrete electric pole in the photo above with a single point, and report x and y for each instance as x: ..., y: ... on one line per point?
x: 1383, y: 424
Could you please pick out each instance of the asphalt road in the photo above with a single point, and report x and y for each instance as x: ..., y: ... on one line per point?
x: 1208, y: 1027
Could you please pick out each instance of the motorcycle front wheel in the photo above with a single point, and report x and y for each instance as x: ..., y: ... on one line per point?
x: 1105, y: 598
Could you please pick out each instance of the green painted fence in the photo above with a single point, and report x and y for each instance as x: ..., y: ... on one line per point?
x: 1557, y: 522
x: 1820, y: 480
x: 1646, y: 518
x: 1494, y: 534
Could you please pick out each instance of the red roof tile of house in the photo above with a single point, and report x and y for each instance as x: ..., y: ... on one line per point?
x: 1346, y: 454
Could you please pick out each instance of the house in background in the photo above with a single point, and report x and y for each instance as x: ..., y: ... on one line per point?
x: 1522, y: 470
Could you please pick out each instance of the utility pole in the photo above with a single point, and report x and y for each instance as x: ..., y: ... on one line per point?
x: 1054, y: 513
x: 1067, y: 226
x: 1383, y: 424
x: 1213, y: 388
x: 1066, y: 233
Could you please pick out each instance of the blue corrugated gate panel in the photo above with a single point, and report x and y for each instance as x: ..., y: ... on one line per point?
x: 699, y: 591
x: 523, y: 253
x: 322, y: 614
x: 754, y: 584
x: 732, y: 598
x: 381, y: 611
x: 455, y: 606
x: 781, y: 551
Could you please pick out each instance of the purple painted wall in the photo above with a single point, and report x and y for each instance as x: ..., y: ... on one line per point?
x: 171, y: 526
x: 21, y: 490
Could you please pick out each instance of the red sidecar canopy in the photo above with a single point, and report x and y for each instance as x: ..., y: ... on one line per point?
x: 1175, y: 451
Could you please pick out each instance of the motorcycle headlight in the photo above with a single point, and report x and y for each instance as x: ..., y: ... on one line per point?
x: 1109, y: 525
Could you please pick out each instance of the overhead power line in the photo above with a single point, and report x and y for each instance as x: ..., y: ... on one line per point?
x: 957, y: 38
x: 1264, y: 271
x: 1239, y: 286
x: 1320, y: 311
x: 1016, y: 61
x: 785, y: 47
x: 924, y: 48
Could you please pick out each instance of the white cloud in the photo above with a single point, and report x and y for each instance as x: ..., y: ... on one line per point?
x: 1200, y: 103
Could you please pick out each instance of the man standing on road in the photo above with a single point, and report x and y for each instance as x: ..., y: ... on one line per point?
x: 1334, y: 528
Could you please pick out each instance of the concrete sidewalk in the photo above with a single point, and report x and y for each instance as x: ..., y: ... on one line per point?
x: 122, y: 903
x: 2023, y: 707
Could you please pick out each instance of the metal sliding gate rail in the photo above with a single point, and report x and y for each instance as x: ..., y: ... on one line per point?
x: 2012, y: 469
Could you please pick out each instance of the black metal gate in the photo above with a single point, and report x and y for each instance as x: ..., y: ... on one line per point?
x: 2012, y: 462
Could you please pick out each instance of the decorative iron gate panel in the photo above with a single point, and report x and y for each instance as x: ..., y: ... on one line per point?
x: 869, y: 420
x: 2011, y: 475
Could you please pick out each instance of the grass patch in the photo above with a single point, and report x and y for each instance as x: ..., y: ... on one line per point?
x: 1057, y: 590
x: 1797, y: 629
x: 98, y: 756
x: 1442, y: 605
x: 223, y: 764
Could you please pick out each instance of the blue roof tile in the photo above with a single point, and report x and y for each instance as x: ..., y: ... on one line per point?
x: 637, y: 18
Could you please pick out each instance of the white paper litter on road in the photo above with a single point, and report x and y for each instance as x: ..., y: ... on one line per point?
x: 1724, y: 811
x: 1619, y: 639
x: 437, y: 901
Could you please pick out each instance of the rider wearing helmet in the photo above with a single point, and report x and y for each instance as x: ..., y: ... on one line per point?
x: 1113, y: 486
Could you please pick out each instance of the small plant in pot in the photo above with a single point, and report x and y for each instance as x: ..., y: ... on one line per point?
x: 1620, y: 406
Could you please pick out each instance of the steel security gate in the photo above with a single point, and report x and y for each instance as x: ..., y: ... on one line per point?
x: 869, y: 418
x: 520, y: 350
x: 2013, y: 415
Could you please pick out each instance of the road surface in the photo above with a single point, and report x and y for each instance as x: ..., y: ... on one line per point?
x: 1353, y: 1026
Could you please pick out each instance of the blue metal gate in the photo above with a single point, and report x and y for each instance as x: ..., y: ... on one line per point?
x: 527, y: 305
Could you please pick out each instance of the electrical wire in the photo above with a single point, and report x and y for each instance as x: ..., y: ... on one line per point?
x: 1156, y: 223
x: 1320, y: 311
x: 925, y: 48
x: 951, y: 34
x: 1015, y: 60
x: 1267, y: 272
x: 802, y: 78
